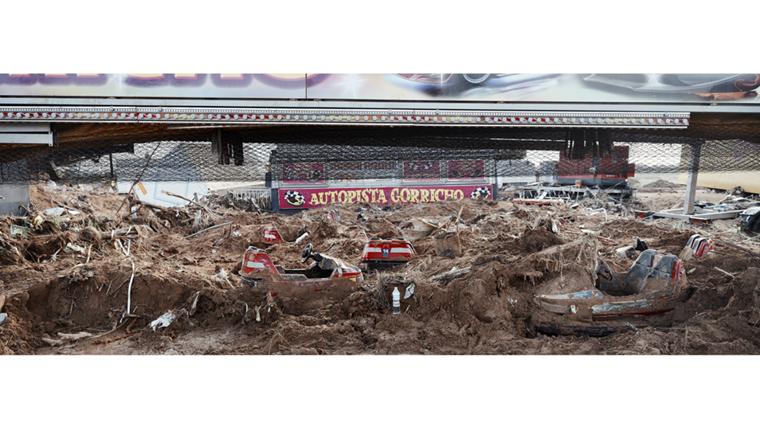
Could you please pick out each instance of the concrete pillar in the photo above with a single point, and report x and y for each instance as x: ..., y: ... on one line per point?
x: 691, y: 179
x: 12, y: 197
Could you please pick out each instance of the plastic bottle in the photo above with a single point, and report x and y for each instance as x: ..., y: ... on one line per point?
x: 396, y: 301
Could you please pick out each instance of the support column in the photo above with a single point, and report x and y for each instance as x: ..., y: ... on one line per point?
x: 691, y: 180
x: 14, y: 199
x: 218, y: 148
x: 237, y: 152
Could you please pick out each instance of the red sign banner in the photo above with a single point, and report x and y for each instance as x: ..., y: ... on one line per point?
x: 307, y: 198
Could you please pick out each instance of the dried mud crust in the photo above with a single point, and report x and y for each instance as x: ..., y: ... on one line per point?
x: 497, y: 250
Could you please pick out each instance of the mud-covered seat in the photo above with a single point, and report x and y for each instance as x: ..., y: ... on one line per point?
x: 323, y: 266
x: 649, y: 265
x: 326, y: 263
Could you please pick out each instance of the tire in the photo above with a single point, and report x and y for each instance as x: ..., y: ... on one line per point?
x: 475, y: 79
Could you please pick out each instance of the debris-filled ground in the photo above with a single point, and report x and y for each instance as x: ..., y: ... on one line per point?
x: 84, y: 273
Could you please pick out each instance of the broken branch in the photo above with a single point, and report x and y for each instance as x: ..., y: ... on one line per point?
x: 731, y: 275
x: 192, y: 202
x: 139, y: 177
x: 209, y: 229
x: 129, y: 290
x: 450, y: 275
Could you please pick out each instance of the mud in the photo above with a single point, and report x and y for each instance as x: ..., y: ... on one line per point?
x: 63, y: 301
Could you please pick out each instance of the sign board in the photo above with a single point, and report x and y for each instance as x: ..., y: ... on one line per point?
x: 306, y: 198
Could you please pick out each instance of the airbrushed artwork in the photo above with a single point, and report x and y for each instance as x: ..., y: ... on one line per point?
x: 395, y: 87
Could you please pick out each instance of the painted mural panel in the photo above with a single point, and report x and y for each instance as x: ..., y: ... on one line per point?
x: 224, y: 86
x: 484, y: 87
x: 588, y: 88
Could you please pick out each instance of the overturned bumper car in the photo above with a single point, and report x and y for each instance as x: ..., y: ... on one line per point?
x: 612, y: 301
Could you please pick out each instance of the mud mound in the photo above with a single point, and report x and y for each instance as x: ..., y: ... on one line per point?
x: 478, y: 269
x: 98, y: 300
x: 661, y: 183
x: 14, y: 338
x: 536, y: 240
x: 625, y: 227
x: 94, y: 300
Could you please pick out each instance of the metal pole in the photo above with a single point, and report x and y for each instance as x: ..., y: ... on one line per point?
x: 691, y: 180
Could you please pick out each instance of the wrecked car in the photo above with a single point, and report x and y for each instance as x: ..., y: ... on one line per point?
x: 379, y: 254
x: 615, y: 301
x: 749, y: 220
x: 328, y: 280
x: 257, y: 268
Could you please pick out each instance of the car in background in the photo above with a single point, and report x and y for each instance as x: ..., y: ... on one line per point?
x: 716, y: 86
x: 464, y: 81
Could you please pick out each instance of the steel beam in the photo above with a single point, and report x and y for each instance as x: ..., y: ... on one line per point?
x: 323, y: 116
x: 709, y: 216
x: 693, y: 107
x: 26, y: 133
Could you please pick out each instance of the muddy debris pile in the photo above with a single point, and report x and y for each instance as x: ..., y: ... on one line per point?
x: 90, y: 272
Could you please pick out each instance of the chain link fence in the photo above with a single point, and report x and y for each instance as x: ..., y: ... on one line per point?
x: 437, y: 158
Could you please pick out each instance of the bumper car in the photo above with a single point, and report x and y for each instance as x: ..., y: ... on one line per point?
x: 386, y: 254
x: 327, y: 275
x: 616, y: 301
